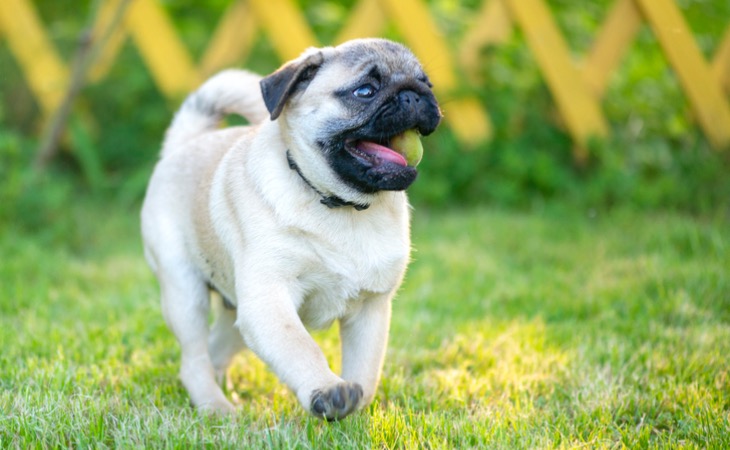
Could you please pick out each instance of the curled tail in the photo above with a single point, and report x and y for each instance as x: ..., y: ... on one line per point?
x: 228, y: 92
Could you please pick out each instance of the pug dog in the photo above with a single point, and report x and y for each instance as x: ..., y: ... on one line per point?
x: 297, y: 220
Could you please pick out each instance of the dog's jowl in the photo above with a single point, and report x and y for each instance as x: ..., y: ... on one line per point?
x: 296, y: 220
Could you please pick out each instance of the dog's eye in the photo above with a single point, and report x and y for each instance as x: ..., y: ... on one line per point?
x: 364, y: 91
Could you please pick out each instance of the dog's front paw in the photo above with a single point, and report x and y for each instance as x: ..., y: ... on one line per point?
x: 337, y: 401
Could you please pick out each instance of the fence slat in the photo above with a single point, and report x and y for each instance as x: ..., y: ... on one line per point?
x: 616, y: 34
x: 366, y: 19
x: 694, y: 74
x: 492, y: 26
x: 721, y: 61
x: 578, y: 106
x: 232, y: 39
x: 169, y: 62
x: 46, y: 74
x: 286, y: 27
x: 106, y: 57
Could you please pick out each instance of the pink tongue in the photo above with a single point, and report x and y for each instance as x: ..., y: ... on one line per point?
x: 382, y: 152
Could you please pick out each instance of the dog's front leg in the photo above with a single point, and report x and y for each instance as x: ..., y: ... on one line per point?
x: 364, y: 336
x: 271, y: 328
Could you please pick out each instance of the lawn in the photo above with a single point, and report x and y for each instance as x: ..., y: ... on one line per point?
x: 553, y: 328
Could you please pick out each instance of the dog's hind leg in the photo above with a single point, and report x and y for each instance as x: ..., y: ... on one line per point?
x: 225, y: 339
x: 185, y: 305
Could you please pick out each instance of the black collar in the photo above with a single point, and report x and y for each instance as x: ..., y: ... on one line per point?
x: 331, y: 201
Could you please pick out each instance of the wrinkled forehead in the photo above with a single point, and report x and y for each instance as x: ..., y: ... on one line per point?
x: 390, y: 57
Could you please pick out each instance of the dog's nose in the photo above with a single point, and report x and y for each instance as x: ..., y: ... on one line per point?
x: 423, y: 109
x: 410, y: 99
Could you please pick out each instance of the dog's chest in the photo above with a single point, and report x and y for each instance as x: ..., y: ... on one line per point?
x: 340, y: 275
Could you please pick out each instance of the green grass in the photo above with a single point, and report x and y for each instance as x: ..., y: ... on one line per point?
x: 556, y: 328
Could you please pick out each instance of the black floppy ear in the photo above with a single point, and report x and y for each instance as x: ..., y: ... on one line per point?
x: 280, y: 85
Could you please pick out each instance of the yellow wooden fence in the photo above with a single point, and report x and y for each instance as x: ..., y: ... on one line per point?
x: 577, y: 86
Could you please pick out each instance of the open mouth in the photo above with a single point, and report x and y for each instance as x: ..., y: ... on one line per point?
x: 403, y: 149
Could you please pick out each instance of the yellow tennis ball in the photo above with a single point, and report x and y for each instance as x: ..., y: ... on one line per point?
x: 409, y: 145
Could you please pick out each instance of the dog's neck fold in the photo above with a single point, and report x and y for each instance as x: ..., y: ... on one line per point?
x: 330, y: 201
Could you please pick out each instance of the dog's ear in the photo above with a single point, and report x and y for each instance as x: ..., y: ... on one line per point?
x: 280, y: 85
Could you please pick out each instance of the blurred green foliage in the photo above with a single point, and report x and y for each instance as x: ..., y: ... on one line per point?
x: 655, y: 158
